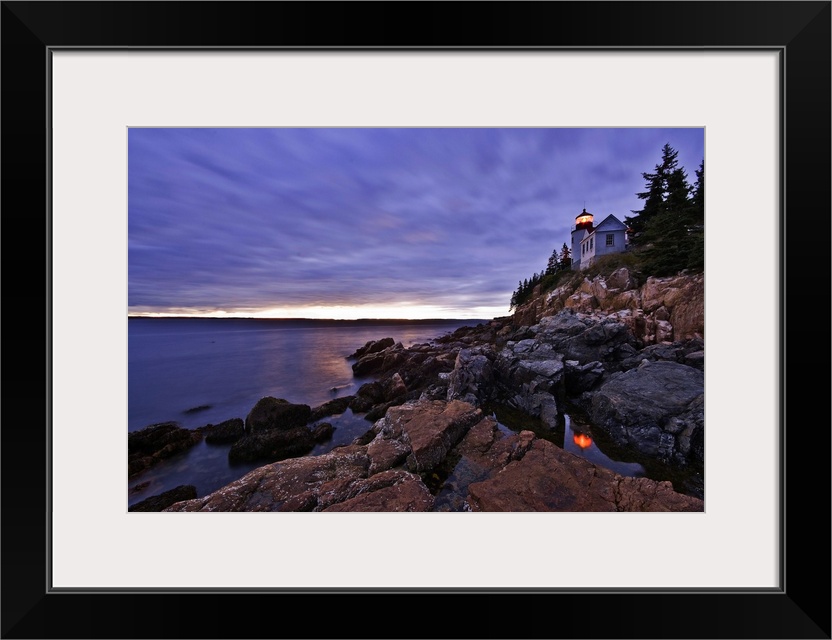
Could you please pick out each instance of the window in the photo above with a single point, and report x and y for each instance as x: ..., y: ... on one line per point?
x: 591, y: 242
x: 610, y: 239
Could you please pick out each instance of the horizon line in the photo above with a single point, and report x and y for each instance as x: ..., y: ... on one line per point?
x: 198, y: 317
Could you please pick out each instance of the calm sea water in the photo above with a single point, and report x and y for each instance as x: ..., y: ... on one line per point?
x: 200, y: 371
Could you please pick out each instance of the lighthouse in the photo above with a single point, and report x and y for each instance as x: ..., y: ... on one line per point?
x: 583, y: 227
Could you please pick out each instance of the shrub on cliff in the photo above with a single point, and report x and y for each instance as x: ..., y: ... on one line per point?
x: 605, y: 265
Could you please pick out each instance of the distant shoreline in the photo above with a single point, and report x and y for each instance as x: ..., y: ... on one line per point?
x: 365, y: 321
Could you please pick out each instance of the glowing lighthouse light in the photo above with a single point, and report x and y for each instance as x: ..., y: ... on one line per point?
x: 583, y: 220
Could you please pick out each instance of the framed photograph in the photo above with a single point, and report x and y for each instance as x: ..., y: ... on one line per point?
x: 97, y: 94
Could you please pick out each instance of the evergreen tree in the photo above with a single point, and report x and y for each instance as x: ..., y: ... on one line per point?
x: 697, y: 199
x: 666, y: 245
x: 515, y: 297
x: 565, y: 258
x: 672, y: 239
x: 657, y: 189
x: 678, y: 192
x: 696, y: 255
x: 552, y: 265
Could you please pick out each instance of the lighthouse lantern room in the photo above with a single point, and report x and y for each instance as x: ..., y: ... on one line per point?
x: 583, y: 226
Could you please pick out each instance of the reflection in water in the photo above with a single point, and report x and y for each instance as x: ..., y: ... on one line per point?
x: 578, y: 441
x: 348, y: 426
x: 572, y: 434
x: 582, y: 440
x: 227, y: 365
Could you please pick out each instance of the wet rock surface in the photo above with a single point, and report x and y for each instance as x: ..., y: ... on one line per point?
x: 658, y: 408
x: 276, y: 413
x: 157, y: 442
x: 163, y: 500
x: 224, y: 432
x: 492, y: 471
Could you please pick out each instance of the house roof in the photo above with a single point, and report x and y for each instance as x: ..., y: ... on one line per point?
x: 610, y: 223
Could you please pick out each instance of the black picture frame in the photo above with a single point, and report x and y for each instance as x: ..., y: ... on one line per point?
x: 800, y: 31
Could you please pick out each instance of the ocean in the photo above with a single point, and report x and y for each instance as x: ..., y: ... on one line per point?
x: 199, y: 371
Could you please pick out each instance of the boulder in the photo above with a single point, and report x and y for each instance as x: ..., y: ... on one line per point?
x: 388, y: 491
x: 656, y: 409
x: 164, y: 500
x: 430, y: 428
x: 322, y: 431
x: 580, y: 378
x: 157, y: 442
x: 585, y: 338
x: 547, y: 478
x: 336, y: 481
x: 224, y: 432
x: 472, y: 377
x: 386, y: 452
x: 621, y: 280
x: 372, y: 346
x: 529, y: 376
x: 295, y: 484
x: 683, y: 297
x: 276, y: 413
x: 381, y: 360
x: 374, y: 398
x: 330, y: 408
x: 272, y: 445
x: 368, y: 364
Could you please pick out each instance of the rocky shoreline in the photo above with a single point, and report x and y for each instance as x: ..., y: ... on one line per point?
x: 630, y: 357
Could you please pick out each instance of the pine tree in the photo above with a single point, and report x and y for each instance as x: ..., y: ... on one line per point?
x: 657, y: 189
x: 697, y: 199
x: 553, y: 264
x: 516, y: 296
x: 565, y: 258
x: 666, y: 245
x: 672, y: 238
x: 696, y: 221
x: 678, y: 192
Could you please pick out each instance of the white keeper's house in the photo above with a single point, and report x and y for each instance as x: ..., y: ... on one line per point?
x: 590, y: 242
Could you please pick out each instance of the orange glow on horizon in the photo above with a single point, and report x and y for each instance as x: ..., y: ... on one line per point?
x: 333, y: 312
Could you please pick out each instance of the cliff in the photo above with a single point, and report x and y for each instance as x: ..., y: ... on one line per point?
x: 659, y: 310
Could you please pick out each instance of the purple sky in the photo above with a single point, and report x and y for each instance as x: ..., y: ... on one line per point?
x: 369, y: 222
